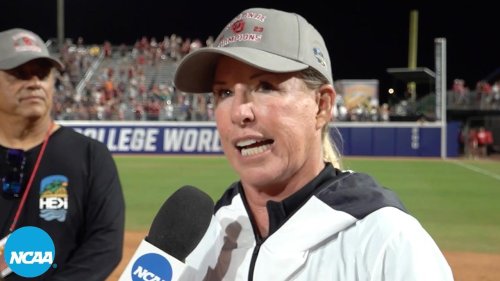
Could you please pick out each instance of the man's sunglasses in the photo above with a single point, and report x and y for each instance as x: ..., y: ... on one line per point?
x: 12, y: 182
x: 39, y: 67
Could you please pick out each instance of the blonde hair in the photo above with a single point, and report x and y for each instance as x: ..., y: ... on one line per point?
x: 331, y: 153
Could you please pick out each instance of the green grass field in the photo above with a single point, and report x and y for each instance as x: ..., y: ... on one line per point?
x: 457, y: 201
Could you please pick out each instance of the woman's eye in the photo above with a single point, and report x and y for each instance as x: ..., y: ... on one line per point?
x: 222, y: 94
x: 265, y: 87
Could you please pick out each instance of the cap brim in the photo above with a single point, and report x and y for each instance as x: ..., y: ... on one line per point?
x: 20, y: 59
x: 196, y: 71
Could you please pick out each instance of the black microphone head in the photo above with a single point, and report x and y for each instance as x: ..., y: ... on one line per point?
x: 181, y: 222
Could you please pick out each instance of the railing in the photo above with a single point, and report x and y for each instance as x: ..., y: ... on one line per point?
x: 86, y: 78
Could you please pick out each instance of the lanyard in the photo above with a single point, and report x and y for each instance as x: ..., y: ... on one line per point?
x: 32, y: 176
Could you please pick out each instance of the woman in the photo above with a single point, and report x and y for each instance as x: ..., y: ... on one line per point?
x: 294, y: 215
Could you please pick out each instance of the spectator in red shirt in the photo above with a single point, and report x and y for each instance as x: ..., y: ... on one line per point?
x: 484, y: 140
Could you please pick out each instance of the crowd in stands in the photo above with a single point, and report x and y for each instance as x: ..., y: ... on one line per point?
x: 484, y: 96
x: 127, y: 83
x: 135, y: 83
x: 106, y: 82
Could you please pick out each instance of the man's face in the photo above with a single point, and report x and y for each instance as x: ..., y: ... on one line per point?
x: 27, y: 90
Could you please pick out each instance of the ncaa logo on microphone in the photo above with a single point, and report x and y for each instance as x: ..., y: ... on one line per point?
x: 29, y: 251
x: 151, y: 267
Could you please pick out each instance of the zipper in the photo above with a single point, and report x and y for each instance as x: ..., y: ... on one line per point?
x: 258, y: 243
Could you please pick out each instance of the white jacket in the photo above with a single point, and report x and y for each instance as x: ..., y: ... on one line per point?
x: 341, y: 226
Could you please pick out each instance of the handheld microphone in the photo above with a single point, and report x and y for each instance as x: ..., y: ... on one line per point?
x: 177, y: 229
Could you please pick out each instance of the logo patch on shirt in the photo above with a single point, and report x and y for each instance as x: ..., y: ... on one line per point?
x: 54, y: 198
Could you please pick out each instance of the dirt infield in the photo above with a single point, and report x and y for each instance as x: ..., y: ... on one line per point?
x: 465, y: 266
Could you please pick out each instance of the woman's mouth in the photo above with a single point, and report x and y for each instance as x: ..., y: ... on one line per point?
x: 253, y: 147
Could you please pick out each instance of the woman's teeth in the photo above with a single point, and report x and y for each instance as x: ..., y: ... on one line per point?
x: 255, y: 150
x: 253, y: 147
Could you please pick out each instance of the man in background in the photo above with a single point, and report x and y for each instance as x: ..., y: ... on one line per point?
x: 52, y: 177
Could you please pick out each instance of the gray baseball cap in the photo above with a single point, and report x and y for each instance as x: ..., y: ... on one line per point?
x: 18, y: 46
x: 268, y: 39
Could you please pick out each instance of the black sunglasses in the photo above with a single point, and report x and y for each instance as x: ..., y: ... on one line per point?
x: 12, y: 182
x: 39, y: 67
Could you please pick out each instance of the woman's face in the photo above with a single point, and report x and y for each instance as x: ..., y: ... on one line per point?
x: 269, y: 124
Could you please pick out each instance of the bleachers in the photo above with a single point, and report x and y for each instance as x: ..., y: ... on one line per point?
x: 136, y: 83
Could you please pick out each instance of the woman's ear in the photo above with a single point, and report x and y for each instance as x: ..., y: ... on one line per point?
x: 326, y: 100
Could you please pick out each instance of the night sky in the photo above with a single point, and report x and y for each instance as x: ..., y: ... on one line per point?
x: 364, y: 39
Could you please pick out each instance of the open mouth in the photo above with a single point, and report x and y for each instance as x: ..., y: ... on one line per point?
x: 253, y: 147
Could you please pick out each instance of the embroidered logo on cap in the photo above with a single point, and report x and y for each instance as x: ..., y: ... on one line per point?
x: 237, y: 27
x: 26, y: 42
x: 258, y: 29
x: 319, y: 56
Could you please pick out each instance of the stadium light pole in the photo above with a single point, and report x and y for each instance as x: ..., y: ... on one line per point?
x: 60, y: 23
x: 440, y: 60
x: 412, y: 51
